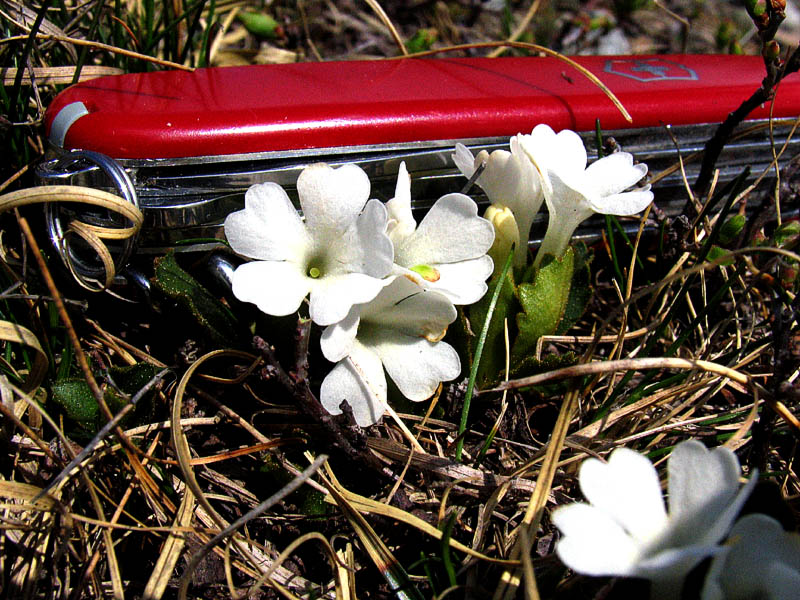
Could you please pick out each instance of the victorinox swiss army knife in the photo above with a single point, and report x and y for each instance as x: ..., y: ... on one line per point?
x: 184, y: 146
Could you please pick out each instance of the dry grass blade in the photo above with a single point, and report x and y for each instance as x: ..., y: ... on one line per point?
x: 626, y: 364
x: 367, y: 505
x: 183, y: 453
x: 252, y: 514
x: 375, y: 6
x: 543, y: 50
x: 99, y: 46
x: 14, y: 333
x: 520, y: 29
x: 342, y: 590
x: 104, y: 431
x: 77, y: 195
x: 511, y: 578
x: 171, y: 551
x: 57, y: 75
x: 380, y: 554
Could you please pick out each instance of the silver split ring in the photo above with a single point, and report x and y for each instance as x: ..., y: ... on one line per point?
x: 64, y: 170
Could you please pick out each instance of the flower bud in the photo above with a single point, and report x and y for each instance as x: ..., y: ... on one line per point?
x: 771, y: 50
x: 506, y: 233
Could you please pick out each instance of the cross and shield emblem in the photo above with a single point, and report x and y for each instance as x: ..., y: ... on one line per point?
x: 649, y: 69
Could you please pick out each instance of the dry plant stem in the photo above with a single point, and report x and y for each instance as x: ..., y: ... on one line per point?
x: 543, y: 50
x: 627, y: 364
x: 521, y: 28
x: 782, y: 320
x: 15, y: 176
x: 80, y: 356
x: 511, y: 578
x: 714, y: 146
x: 252, y: 514
x: 99, y: 46
x: 311, y: 406
x: 9, y: 414
x: 375, y: 6
x: 209, y: 515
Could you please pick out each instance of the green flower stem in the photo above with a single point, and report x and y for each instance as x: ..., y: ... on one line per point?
x: 476, y: 361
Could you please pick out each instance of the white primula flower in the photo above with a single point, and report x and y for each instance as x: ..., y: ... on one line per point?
x: 399, y: 331
x: 574, y: 192
x: 759, y: 560
x: 509, y: 180
x: 625, y: 530
x: 339, y: 255
x: 447, y: 251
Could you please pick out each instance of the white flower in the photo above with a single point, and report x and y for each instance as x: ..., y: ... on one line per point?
x: 574, y: 192
x: 509, y: 180
x: 626, y: 531
x: 400, y: 331
x: 447, y: 251
x: 759, y: 560
x: 339, y: 255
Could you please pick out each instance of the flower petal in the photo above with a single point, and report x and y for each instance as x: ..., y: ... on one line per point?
x: 269, y: 227
x: 406, y: 308
x: 332, y: 198
x: 463, y: 282
x: 464, y: 160
x: 401, y: 220
x: 623, y: 205
x: 452, y: 231
x: 363, y: 247
x: 416, y: 365
x: 701, y: 480
x: 333, y: 296
x: 277, y: 288
x: 614, y: 173
x: 563, y: 152
x: 337, y: 340
x: 627, y: 489
x: 593, y: 543
x: 359, y: 380
x: 568, y: 208
x: 761, y: 560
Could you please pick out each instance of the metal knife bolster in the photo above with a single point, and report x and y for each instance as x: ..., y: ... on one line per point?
x: 187, y: 200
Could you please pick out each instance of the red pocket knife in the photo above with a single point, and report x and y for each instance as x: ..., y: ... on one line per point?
x: 184, y: 146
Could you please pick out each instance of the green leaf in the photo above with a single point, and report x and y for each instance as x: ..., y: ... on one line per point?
x: 80, y: 408
x: 720, y: 255
x: 580, y: 291
x: 211, y: 315
x: 544, y: 302
x: 787, y: 234
x: 423, y: 40
x: 731, y: 229
x: 493, y: 358
x: 530, y: 365
x: 261, y: 24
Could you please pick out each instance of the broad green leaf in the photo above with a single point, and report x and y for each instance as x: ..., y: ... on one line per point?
x: 544, y: 302
x: 580, y: 291
x: 80, y: 408
x: 214, y: 318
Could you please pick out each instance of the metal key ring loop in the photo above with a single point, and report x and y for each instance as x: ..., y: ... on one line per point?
x: 88, y: 275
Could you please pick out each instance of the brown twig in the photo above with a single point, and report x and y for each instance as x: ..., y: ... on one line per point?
x: 308, y: 402
x: 767, y: 23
